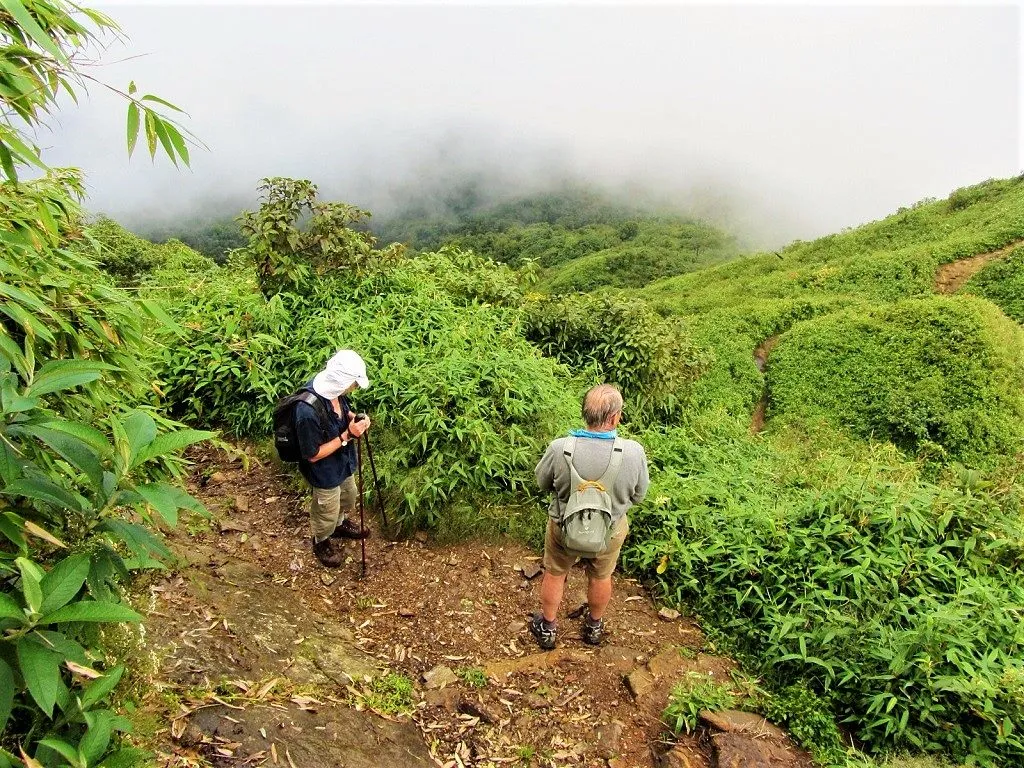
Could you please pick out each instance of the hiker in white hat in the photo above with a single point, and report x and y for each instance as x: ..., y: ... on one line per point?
x: 326, y: 431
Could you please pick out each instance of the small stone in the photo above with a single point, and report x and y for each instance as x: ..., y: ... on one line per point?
x: 271, y: 499
x: 452, y: 561
x: 639, y: 682
x: 217, y: 478
x: 478, y: 709
x: 515, y: 627
x: 327, y: 579
x: 607, y: 737
x: 446, y: 698
x: 534, y: 701
x: 241, y: 504
x: 232, y: 526
x: 422, y: 537
x: 406, y: 613
x: 616, y: 762
x: 531, y: 570
x: 439, y: 677
x: 668, y: 614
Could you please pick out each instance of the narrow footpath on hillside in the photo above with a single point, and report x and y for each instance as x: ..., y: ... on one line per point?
x: 266, y: 658
x: 761, y: 361
x: 953, y: 276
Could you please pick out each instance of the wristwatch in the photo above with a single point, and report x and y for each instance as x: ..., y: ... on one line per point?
x: 344, y: 441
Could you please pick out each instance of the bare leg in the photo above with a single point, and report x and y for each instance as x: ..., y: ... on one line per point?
x: 599, y: 592
x: 551, y: 595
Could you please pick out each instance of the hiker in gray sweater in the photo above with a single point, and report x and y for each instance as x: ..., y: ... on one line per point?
x: 590, y: 455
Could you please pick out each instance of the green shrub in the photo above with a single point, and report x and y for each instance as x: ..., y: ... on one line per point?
x: 898, y: 598
x: 694, y: 693
x: 462, y: 404
x: 1002, y: 283
x: 809, y: 720
x: 936, y: 374
x: 623, y: 342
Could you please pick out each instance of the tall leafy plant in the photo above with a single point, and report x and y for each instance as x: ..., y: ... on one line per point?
x: 84, y: 466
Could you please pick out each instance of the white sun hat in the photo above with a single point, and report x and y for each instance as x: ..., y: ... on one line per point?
x: 341, y: 370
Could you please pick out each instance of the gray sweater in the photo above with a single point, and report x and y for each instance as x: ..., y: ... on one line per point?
x: 591, y: 460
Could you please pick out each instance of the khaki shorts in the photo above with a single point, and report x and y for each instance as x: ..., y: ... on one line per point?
x: 558, y: 560
x: 330, y: 506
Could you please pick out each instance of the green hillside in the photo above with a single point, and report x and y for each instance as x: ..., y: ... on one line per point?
x: 580, y: 240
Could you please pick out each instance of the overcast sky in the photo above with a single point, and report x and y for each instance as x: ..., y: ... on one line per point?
x: 789, y: 120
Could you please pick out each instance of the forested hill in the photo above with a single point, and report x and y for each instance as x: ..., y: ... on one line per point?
x: 580, y: 238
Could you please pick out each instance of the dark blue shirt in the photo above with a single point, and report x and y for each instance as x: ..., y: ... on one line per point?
x: 331, y: 471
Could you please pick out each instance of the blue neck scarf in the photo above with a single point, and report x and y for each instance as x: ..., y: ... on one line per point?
x: 598, y: 435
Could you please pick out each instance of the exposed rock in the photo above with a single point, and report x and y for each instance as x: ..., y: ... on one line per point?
x: 477, y: 708
x: 217, y: 478
x: 241, y: 504
x: 327, y: 579
x: 734, y: 750
x: 620, y: 657
x: 607, y: 737
x: 533, y: 701
x: 334, y: 734
x: 639, y: 682
x: 515, y: 627
x: 406, y: 613
x: 668, y: 614
x: 501, y: 668
x: 421, y: 537
x: 531, y: 570
x: 446, y: 698
x: 439, y: 677
x: 227, y: 525
x: 668, y: 663
x: 679, y: 757
x: 746, y: 723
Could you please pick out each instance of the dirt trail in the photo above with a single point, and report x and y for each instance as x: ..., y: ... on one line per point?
x: 953, y: 276
x: 761, y: 361
x: 262, y: 654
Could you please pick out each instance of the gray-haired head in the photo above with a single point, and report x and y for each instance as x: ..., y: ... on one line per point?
x: 600, y: 404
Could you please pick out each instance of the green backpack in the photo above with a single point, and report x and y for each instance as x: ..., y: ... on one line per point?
x: 586, y: 521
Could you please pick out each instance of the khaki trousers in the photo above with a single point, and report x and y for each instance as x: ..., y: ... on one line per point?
x: 329, y: 507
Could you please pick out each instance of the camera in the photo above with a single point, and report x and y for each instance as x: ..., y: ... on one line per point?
x: 361, y: 417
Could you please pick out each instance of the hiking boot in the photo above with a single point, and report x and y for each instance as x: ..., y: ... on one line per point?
x: 592, y: 631
x: 542, y: 632
x: 349, y: 529
x: 328, y: 556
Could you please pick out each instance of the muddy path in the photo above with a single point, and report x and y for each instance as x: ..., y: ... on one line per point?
x: 761, y: 353
x: 953, y: 276
x: 263, y: 657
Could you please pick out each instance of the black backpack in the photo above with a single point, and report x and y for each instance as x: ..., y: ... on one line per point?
x: 286, y: 440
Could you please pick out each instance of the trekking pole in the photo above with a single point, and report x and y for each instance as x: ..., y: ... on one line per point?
x: 376, y: 484
x: 362, y: 524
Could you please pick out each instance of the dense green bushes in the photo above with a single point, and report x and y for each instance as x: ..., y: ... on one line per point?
x: 624, y: 342
x: 1002, y: 283
x: 941, y: 375
x: 462, y: 403
x: 899, y: 599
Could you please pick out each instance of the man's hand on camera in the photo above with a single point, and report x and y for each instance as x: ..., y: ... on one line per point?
x: 357, y: 428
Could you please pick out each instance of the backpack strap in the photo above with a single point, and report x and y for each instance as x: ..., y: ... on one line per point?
x: 312, y: 399
x: 575, y: 481
x: 614, y: 464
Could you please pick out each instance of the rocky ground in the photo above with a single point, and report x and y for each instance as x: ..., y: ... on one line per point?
x: 266, y: 658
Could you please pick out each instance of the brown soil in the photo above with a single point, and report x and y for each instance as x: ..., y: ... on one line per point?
x: 252, y: 635
x: 953, y: 276
x: 761, y: 361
